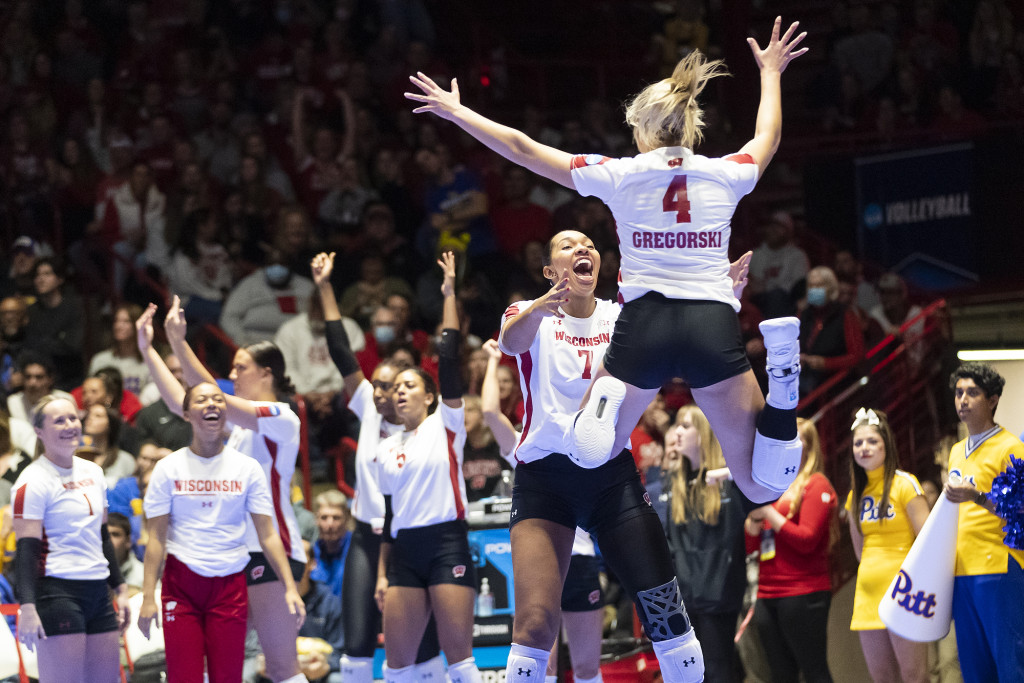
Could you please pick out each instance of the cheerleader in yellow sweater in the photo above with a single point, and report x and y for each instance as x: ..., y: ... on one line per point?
x: 889, y: 512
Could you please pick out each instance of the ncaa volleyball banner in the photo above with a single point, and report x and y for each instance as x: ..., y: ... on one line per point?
x: 915, y: 216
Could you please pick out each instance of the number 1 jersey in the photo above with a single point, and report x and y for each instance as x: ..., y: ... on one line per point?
x: 555, y: 372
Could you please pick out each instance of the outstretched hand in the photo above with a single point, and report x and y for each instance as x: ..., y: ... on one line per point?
x: 738, y: 271
x: 174, y: 324
x: 435, y: 99
x: 447, y: 263
x: 144, y: 328
x: 780, y: 50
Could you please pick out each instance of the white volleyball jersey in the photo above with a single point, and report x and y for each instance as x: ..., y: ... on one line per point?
x: 368, y: 502
x: 275, y: 446
x: 673, y: 212
x: 422, y: 471
x: 210, y: 501
x: 71, y: 504
x: 555, y: 372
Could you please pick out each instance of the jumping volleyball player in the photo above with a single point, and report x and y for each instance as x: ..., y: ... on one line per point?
x: 672, y: 210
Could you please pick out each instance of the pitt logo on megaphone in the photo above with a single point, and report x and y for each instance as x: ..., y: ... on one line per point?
x: 920, y: 603
x: 869, y: 510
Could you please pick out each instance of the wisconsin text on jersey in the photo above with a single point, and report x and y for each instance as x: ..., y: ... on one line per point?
x: 207, y: 486
x: 603, y: 338
x: 646, y: 239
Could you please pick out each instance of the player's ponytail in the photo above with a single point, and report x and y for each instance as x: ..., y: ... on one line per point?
x: 666, y: 113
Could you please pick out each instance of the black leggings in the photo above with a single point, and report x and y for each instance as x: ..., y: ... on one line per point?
x: 359, y: 614
x: 636, y: 551
x: 793, y: 633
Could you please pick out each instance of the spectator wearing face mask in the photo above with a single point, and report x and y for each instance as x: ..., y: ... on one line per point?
x: 263, y: 301
x: 831, y: 340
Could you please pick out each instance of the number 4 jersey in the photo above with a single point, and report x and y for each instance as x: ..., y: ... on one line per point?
x: 555, y: 372
x: 673, y: 212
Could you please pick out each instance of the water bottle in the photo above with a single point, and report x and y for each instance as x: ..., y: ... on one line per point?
x: 485, y: 600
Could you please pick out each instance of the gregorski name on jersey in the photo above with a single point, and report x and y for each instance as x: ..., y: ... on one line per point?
x: 603, y: 338
x: 207, y: 486
x: 647, y: 239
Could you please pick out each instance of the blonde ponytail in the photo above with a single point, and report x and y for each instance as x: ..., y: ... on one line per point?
x: 666, y: 113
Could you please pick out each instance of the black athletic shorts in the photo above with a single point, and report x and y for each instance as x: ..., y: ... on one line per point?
x: 582, y: 589
x: 430, y: 555
x: 67, y: 606
x: 557, y: 490
x: 657, y: 339
x: 259, y: 570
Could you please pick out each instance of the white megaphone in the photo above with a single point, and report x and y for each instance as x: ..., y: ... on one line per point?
x: 919, y: 602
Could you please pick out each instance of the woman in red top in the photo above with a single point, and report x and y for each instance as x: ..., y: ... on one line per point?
x: 794, y: 592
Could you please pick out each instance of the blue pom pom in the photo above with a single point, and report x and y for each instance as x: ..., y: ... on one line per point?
x: 1008, y: 495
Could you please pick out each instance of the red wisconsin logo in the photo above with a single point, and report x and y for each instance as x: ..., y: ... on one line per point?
x: 257, y: 572
x: 400, y: 460
x: 458, y: 571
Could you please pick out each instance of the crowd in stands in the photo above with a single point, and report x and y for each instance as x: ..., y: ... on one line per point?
x: 211, y: 149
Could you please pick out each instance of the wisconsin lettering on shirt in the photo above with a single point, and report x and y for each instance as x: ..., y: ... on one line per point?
x: 80, y: 484
x: 602, y: 338
x: 202, y: 486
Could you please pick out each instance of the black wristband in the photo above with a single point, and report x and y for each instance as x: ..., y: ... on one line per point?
x: 449, y: 372
x: 115, y: 579
x: 981, y: 498
x: 28, y: 553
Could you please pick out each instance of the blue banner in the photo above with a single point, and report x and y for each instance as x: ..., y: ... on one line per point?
x: 915, y: 216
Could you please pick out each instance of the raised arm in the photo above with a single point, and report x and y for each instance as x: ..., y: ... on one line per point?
x: 510, y: 143
x: 241, y: 412
x: 448, y: 370
x: 299, y: 147
x: 170, y: 388
x: 519, y: 330
x: 772, y: 61
x: 337, y: 338
x: 490, y: 403
x: 348, y: 110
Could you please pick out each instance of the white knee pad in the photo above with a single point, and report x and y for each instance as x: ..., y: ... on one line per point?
x: 404, y: 675
x: 465, y: 672
x: 776, y: 463
x: 430, y: 671
x: 681, y: 659
x: 526, y: 664
x: 357, y: 669
x: 596, y: 679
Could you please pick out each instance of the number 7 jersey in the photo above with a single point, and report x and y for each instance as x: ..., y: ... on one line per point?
x: 554, y: 374
x: 673, y: 214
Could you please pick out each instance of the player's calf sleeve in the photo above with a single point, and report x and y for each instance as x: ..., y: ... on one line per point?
x: 357, y: 669
x: 430, y: 670
x: 464, y: 672
x: 526, y: 664
x: 402, y: 675
x: 681, y: 659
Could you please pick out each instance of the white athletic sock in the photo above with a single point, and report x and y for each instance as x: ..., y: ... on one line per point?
x: 551, y: 679
x: 402, y: 675
x: 782, y: 343
x: 465, y: 671
x: 430, y: 671
x: 357, y: 669
x: 595, y: 679
x: 526, y: 664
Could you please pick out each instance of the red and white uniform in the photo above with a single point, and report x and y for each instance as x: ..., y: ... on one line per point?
x: 673, y: 211
x: 71, y: 504
x: 368, y: 502
x: 422, y: 471
x: 555, y: 372
x: 210, y: 501
x: 274, y: 444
